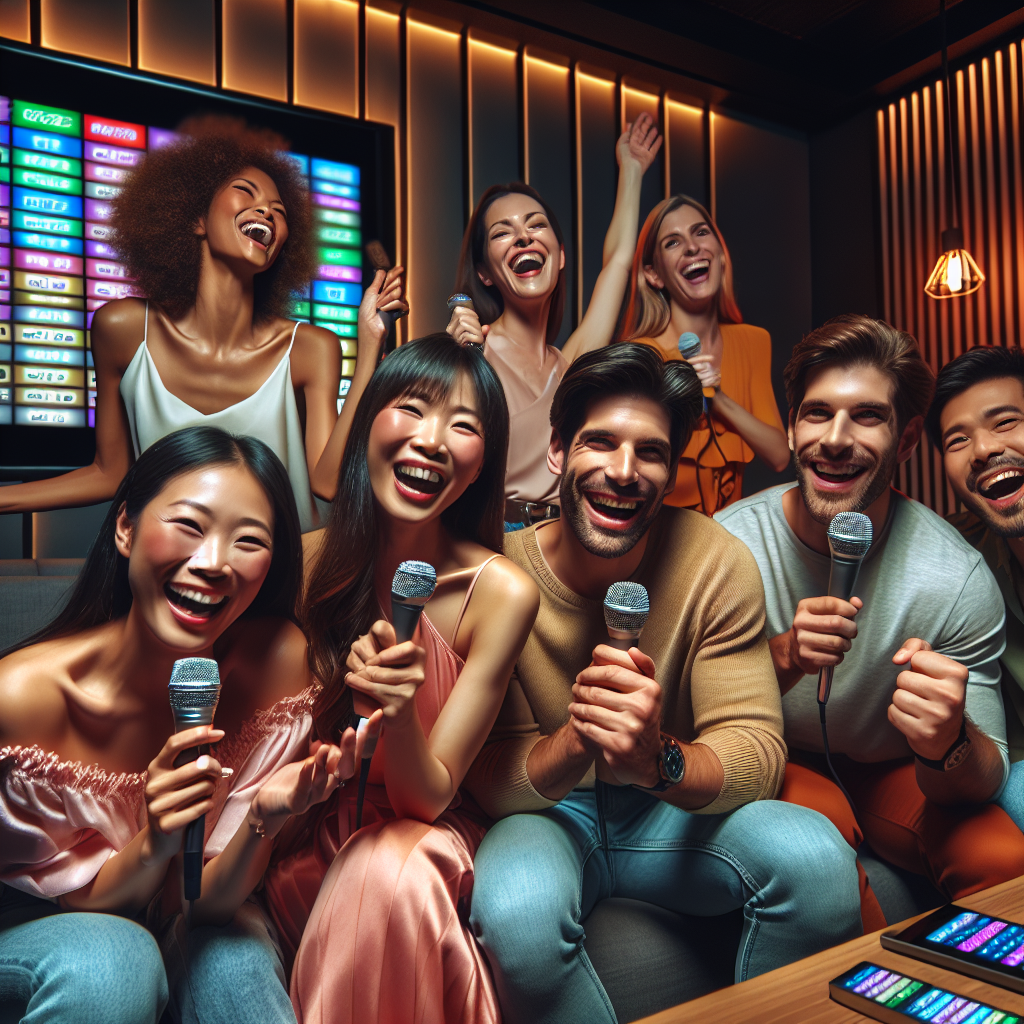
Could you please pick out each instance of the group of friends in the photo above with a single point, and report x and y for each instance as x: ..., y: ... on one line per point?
x: 525, y: 768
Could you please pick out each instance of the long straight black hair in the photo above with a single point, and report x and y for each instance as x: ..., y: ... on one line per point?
x: 102, y: 592
x: 340, y: 601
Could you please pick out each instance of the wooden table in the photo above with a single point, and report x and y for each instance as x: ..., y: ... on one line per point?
x: 798, y: 993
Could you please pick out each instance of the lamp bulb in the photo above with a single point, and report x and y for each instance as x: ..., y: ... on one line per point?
x: 954, y: 273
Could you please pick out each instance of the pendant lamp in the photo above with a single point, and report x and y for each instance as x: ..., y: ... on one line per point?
x: 955, y: 273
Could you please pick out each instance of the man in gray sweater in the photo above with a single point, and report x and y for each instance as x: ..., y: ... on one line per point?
x: 915, y: 720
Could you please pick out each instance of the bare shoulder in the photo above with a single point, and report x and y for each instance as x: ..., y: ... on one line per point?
x: 505, y: 584
x: 267, y: 658
x: 32, y: 705
x: 118, y: 328
x: 316, y: 349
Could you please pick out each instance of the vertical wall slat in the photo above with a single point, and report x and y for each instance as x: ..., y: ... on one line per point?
x: 255, y: 48
x: 178, y: 38
x: 634, y: 103
x: 87, y: 28
x: 684, y: 141
x: 16, y: 20
x: 494, y: 117
x: 327, y: 55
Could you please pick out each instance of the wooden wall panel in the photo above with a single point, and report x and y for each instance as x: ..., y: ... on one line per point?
x: 435, y: 187
x: 596, y: 175
x: 684, y: 148
x: 634, y: 103
x: 493, y: 117
x: 915, y: 184
x: 178, y: 38
x: 87, y: 28
x: 255, y: 49
x: 15, y: 20
x: 549, y: 159
x: 327, y: 55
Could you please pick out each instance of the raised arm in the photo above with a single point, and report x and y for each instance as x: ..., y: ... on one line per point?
x: 635, y: 152
x: 385, y: 292
x: 117, y: 332
x: 423, y: 773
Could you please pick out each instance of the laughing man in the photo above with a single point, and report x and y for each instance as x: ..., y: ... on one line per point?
x: 915, y: 720
x: 649, y: 773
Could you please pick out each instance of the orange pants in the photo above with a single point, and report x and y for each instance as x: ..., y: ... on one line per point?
x: 958, y: 849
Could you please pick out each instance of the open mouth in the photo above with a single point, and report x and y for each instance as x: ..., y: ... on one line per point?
x: 527, y: 263
x: 618, y: 511
x: 258, y: 232
x: 697, y: 272
x: 418, y: 482
x: 1002, y: 485
x: 193, y: 603
x: 841, y: 474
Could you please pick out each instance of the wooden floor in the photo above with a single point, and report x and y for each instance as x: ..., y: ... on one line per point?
x: 798, y: 993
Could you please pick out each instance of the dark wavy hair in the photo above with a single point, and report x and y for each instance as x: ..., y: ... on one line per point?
x: 155, y: 215
x: 340, y: 601
x: 102, y: 592
x: 487, y: 300
x: 629, y: 370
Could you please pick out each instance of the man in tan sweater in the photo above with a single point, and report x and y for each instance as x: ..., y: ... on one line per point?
x: 649, y: 773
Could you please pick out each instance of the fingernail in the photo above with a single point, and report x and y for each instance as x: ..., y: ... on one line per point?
x: 202, y: 762
x: 226, y: 772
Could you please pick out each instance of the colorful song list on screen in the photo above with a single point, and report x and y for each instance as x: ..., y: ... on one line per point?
x: 988, y: 938
x: 59, y: 171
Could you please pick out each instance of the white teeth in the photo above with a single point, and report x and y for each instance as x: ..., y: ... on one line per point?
x: 257, y: 232
x: 846, y: 471
x: 612, y: 503
x: 195, y: 595
x: 1008, y: 475
x: 420, y: 474
x: 527, y: 258
x: 696, y: 268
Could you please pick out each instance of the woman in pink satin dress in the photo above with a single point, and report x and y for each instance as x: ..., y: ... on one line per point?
x: 422, y: 478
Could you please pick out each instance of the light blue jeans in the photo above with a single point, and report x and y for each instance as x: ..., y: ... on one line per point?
x: 1012, y: 797
x: 68, y: 968
x: 538, y: 876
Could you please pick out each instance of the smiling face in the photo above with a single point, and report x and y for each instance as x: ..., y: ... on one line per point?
x: 615, y: 474
x: 845, y: 440
x: 247, y: 222
x: 522, y: 257
x: 688, y: 260
x: 424, y: 453
x: 198, y: 554
x: 983, y: 452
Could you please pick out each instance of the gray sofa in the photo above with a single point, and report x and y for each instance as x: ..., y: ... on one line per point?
x: 647, y: 958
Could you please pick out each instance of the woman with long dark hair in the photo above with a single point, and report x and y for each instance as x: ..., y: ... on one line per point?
x: 216, y: 230
x: 682, y: 282
x: 422, y: 479
x: 512, y: 265
x: 199, y: 556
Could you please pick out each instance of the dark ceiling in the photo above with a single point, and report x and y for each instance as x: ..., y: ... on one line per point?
x: 807, y: 63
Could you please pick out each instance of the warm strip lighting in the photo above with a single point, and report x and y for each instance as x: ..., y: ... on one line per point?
x: 432, y: 28
x: 642, y: 95
x: 546, y: 64
x: 501, y: 50
x: 694, y: 111
x: 383, y: 14
x: 582, y: 76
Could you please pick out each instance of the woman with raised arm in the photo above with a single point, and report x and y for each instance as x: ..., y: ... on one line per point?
x: 681, y: 282
x: 199, y: 556
x: 512, y: 265
x: 216, y: 229
x: 422, y: 480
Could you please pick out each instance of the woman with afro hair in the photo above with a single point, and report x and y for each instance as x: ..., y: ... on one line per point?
x: 216, y: 229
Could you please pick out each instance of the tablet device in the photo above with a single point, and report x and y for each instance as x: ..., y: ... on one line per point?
x: 894, y: 998
x: 967, y: 941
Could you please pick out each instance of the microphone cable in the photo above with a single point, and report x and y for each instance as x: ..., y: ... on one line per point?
x: 828, y: 759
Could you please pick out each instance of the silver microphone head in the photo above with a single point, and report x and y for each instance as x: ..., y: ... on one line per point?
x: 414, y: 583
x: 626, y: 607
x: 850, y: 535
x: 460, y: 299
x: 194, y: 690
x: 688, y: 345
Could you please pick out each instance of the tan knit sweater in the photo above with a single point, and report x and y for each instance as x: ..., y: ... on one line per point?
x: 706, y: 637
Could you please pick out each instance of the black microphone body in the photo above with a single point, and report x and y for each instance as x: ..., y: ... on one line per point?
x: 849, y: 538
x: 194, y: 691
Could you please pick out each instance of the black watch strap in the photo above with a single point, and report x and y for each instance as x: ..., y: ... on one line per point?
x: 952, y: 757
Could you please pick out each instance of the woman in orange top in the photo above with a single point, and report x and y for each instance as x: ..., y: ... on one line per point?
x: 682, y: 281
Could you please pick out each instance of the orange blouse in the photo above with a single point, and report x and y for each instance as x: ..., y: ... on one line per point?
x: 710, y: 476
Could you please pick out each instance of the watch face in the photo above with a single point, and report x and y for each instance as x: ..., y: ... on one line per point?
x: 672, y: 762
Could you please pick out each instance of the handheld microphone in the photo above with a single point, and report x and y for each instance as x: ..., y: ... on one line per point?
x: 411, y: 588
x: 379, y: 260
x: 626, y: 607
x: 194, y: 690
x: 849, y: 538
x: 460, y: 299
x: 689, y: 346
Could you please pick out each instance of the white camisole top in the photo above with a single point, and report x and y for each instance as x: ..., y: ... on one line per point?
x: 270, y: 415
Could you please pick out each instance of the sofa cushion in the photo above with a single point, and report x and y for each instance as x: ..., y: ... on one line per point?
x: 28, y: 603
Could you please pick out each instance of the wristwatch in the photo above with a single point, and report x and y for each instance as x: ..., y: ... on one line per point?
x: 671, y: 765
x: 954, y: 756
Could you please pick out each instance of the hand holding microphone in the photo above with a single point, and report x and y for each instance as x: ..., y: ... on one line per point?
x: 711, y: 379
x: 464, y: 325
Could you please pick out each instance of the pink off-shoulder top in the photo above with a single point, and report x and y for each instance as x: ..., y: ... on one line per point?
x: 61, y: 820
